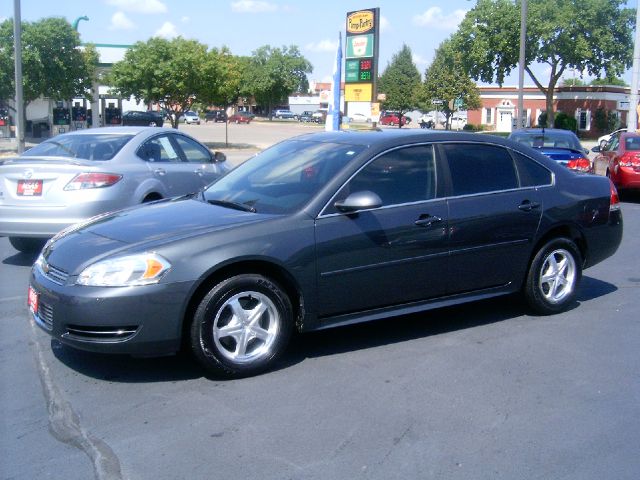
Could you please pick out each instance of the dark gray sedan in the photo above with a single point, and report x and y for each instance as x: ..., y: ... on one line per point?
x: 325, y: 230
x: 72, y: 177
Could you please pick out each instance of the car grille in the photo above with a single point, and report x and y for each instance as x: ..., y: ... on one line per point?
x: 100, y: 334
x: 45, y: 314
x: 54, y: 274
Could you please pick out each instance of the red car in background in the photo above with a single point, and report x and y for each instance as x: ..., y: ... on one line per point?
x: 240, y: 117
x: 393, y: 119
x: 620, y: 160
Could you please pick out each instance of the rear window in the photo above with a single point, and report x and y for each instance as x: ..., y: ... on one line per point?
x: 632, y: 143
x: 547, y: 140
x: 86, y: 147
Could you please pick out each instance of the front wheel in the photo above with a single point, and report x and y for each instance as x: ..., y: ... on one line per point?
x: 241, y: 326
x: 553, y: 277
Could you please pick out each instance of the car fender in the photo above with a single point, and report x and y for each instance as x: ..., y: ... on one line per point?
x: 147, y: 187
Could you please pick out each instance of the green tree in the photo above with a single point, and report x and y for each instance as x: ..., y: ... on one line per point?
x: 399, y: 82
x: 446, y: 80
x: 588, y: 35
x: 171, y: 73
x: 274, y: 73
x: 53, y: 63
x: 609, y: 80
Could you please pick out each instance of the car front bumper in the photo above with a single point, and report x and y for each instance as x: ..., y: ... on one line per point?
x: 142, y: 320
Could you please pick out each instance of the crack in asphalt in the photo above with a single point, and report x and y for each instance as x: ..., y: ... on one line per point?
x: 64, y: 423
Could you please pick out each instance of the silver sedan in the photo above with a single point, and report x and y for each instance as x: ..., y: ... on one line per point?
x: 72, y: 177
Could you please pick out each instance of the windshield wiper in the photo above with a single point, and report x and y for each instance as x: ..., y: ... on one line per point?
x: 235, y: 205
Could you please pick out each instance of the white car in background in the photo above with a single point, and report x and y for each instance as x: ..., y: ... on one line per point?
x: 604, y: 139
x: 190, y: 117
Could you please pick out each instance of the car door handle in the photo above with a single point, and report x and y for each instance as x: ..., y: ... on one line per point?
x: 527, y: 206
x: 427, y: 220
x: 198, y: 171
x: 160, y: 171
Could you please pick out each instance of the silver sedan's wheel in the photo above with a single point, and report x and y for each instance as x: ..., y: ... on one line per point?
x: 246, y: 327
x: 242, y: 325
x: 558, y: 276
x: 554, y: 275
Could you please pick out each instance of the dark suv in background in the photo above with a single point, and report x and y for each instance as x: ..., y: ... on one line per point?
x: 215, y: 116
x: 143, y: 119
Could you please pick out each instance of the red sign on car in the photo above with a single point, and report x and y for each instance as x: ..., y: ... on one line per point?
x: 32, y: 300
x: 30, y: 188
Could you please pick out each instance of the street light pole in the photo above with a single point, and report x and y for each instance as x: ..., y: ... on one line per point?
x: 523, y: 41
x: 632, y: 117
x: 17, y: 36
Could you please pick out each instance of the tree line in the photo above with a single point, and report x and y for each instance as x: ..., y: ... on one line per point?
x: 592, y: 37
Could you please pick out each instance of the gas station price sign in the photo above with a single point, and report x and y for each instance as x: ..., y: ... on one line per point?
x: 359, y: 70
x: 361, y: 54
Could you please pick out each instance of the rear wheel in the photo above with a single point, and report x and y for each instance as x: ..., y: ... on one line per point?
x: 241, y: 326
x: 26, y: 244
x: 553, y: 277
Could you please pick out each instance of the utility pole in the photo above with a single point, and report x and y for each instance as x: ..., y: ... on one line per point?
x: 17, y: 35
x: 632, y: 117
x: 522, y: 115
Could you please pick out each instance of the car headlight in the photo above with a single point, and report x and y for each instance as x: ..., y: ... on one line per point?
x: 141, y: 269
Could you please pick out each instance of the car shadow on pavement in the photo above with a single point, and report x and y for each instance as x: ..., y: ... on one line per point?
x: 21, y: 259
x: 126, y: 369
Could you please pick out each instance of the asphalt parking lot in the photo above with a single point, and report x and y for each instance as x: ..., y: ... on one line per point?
x: 480, y: 391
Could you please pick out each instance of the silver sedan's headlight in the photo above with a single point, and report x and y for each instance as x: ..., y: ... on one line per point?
x: 141, y: 269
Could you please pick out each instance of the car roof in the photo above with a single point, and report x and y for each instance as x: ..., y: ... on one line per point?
x: 540, y: 131
x: 120, y: 130
x: 393, y: 137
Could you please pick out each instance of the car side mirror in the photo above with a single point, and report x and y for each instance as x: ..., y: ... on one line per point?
x: 362, y: 200
x: 596, y: 149
x: 219, y: 157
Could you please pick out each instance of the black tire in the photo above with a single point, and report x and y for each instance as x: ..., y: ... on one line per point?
x: 27, y: 245
x: 224, y: 337
x: 554, y: 276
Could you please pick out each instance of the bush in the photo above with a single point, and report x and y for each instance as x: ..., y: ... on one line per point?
x: 470, y: 127
x: 565, y: 122
x: 542, y: 120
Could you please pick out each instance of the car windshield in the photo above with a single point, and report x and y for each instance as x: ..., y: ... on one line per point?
x: 547, y: 139
x: 85, y: 146
x: 283, y: 178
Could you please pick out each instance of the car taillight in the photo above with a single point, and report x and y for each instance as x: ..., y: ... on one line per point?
x: 614, y: 199
x: 92, y: 180
x: 579, y: 164
x: 630, y: 160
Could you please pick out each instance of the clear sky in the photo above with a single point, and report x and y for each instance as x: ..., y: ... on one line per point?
x: 245, y: 25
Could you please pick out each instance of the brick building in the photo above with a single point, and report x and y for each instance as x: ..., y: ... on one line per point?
x: 500, y: 104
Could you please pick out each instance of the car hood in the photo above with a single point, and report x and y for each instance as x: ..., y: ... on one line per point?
x: 145, y: 226
x: 182, y: 217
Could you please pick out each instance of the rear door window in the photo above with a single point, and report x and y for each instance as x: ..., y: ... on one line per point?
x: 479, y: 168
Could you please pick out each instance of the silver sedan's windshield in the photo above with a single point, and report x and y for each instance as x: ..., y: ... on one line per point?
x: 85, y: 146
x: 283, y: 178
